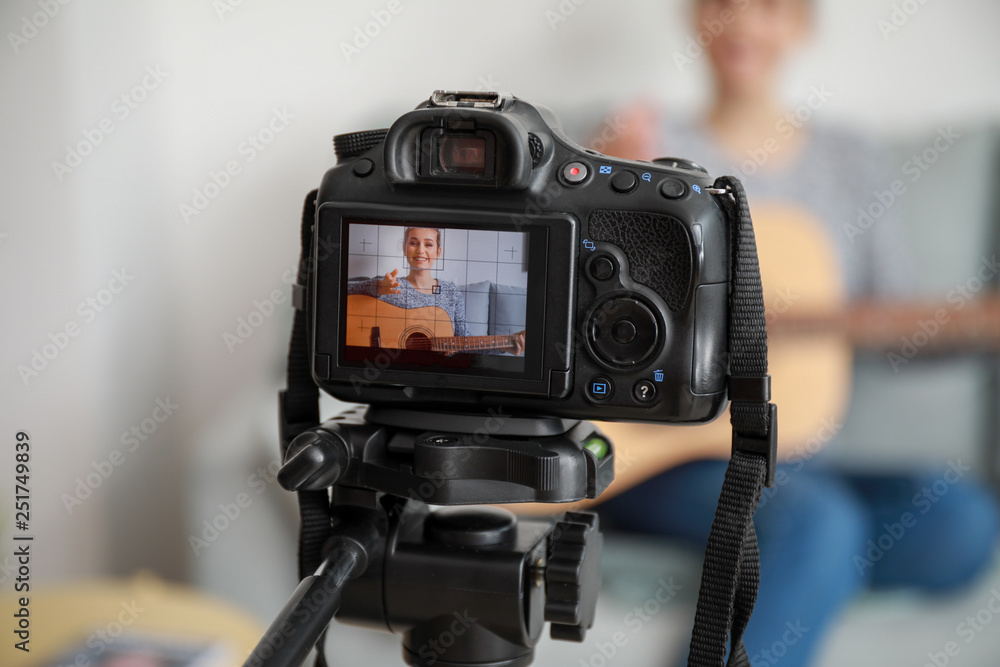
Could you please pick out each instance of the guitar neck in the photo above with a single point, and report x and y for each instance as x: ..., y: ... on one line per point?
x: 469, y: 343
x: 879, y: 325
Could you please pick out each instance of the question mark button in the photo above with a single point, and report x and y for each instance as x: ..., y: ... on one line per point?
x: 644, y: 391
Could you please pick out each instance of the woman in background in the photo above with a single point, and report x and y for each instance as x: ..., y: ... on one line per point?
x: 815, y: 527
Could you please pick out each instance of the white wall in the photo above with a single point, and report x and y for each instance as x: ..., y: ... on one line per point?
x: 278, y: 70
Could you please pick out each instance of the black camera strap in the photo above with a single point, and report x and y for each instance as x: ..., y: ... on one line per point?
x: 731, y: 572
x: 298, y: 411
x: 299, y: 406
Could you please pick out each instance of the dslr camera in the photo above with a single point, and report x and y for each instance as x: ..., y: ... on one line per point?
x: 472, y: 257
x: 487, y: 286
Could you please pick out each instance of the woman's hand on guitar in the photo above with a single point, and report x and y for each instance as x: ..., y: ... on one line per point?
x: 516, y: 346
x: 389, y: 284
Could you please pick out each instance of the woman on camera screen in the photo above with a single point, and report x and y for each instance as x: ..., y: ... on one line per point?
x: 419, y: 289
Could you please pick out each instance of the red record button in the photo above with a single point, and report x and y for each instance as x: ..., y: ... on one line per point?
x: 575, y: 172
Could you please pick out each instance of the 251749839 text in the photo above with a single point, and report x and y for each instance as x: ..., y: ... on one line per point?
x: 22, y: 540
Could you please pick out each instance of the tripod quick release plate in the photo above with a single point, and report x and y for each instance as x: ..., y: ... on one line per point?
x: 476, y: 460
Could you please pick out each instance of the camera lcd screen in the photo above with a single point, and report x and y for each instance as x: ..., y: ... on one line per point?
x: 441, y: 298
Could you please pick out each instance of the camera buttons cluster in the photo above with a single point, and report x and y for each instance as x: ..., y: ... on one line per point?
x: 599, y: 388
x: 575, y: 173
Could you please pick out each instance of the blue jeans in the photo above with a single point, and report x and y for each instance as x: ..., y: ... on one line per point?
x: 825, y: 536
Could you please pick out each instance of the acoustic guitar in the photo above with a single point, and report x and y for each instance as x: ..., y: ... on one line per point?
x: 372, y: 322
x: 812, y: 334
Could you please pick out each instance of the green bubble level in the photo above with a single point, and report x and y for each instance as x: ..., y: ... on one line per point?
x: 597, y: 445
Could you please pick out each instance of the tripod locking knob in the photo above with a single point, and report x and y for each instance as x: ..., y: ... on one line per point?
x: 573, y: 575
x: 316, y: 459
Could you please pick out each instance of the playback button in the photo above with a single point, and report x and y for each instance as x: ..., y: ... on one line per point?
x: 599, y: 389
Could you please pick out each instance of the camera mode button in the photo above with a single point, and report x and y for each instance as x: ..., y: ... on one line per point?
x: 599, y: 388
x: 624, y: 182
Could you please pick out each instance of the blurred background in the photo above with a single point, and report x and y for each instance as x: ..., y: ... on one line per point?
x: 155, y: 158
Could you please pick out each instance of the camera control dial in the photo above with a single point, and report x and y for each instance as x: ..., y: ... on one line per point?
x: 354, y: 144
x: 623, y: 331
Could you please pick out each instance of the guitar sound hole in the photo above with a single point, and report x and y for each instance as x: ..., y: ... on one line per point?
x: 418, y: 341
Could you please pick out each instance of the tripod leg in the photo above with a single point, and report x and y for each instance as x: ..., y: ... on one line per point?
x: 309, y: 611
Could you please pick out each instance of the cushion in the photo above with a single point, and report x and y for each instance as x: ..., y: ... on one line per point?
x: 477, y: 307
x: 508, y: 307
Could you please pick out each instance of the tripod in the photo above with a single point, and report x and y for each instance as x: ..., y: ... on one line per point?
x: 462, y: 585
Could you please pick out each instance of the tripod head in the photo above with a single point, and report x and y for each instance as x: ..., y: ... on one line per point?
x: 462, y: 585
